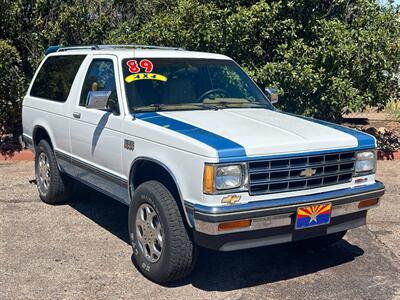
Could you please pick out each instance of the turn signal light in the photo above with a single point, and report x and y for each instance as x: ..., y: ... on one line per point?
x: 208, y: 179
x: 366, y: 203
x: 234, y: 225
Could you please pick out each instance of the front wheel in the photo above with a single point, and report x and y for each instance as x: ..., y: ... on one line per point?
x: 163, y: 250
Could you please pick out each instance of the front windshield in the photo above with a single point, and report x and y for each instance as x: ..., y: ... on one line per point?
x: 185, y: 84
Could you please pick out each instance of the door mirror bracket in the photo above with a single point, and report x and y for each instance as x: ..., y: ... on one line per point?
x: 272, y: 94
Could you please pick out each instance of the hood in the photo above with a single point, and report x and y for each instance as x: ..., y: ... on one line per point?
x: 259, y: 132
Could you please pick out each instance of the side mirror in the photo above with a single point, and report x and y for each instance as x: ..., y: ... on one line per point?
x: 273, y: 94
x: 98, y: 99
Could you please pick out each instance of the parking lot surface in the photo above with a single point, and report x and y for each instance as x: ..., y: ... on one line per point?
x: 81, y: 250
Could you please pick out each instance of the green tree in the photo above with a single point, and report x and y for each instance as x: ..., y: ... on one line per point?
x: 326, y: 56
x: 12, y: 86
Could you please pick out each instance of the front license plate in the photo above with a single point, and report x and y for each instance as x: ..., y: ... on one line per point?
x: 313, y: 215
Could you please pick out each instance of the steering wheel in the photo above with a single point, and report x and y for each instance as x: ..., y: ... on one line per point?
x: 202, y: 96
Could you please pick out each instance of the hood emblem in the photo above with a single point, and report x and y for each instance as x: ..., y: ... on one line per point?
x: 308, y: 172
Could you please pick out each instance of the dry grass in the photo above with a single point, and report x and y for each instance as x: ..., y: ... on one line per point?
x: 393, y: 108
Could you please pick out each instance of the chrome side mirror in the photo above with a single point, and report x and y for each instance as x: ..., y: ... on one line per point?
x: 98, y: 99
x: 272, y: 94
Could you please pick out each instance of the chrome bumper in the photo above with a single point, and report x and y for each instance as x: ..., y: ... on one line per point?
x: 279, y: 213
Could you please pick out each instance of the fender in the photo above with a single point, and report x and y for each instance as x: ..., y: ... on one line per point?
x: 166, y: 168
x: 44, y: 126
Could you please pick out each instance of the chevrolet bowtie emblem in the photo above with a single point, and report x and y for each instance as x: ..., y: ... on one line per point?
x: 308, y: 172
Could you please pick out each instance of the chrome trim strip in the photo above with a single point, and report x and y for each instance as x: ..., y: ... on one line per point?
x: 112, y: 185
x: 257, y: 223
x: 364, y: 190
x: 99, y: 172
x: 276, y: 220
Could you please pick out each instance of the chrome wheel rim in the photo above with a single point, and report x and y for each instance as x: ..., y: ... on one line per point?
x: 44, y: 173
x: 149, y: 232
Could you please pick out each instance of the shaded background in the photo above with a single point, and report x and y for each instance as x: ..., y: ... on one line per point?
x: 328, y: 58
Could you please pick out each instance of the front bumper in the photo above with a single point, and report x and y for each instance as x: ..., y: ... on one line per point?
x: 272, y: 221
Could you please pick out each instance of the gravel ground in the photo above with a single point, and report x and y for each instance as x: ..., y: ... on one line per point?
x: 81, y: 251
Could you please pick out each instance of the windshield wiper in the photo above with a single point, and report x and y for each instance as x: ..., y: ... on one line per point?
x: 221, y: 104
x: 179, y: 106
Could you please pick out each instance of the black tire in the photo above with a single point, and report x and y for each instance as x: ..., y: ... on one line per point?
x: 60, y: 186
x: 322, y: 241
x: 178, y: 253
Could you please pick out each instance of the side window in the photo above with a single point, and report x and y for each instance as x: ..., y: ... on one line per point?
x: 56, y: 76
x: 100, y: 77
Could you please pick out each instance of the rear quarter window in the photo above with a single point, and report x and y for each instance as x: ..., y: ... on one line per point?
x: 56, y: 76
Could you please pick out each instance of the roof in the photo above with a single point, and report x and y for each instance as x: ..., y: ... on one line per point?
x: 128, y: 51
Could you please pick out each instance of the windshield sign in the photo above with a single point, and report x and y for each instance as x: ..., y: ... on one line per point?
x: 186, y: 84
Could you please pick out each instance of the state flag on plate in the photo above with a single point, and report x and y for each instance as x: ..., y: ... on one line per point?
x: 313, y: 215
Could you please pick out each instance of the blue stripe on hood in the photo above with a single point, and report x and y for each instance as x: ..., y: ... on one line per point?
x: 224, y: 147
x: 365, y: 141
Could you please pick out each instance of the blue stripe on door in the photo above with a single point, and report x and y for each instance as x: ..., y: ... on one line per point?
x: 224, y: 147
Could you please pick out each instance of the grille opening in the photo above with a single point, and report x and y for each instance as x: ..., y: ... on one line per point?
x: 330, y: 169
x: 344, y: 167
x: 297, y: 184
x: 258, y: 189
x: 348, y: 155
x: 275, y: 164
x: 278, y: 186
x: 345, y: 177
x: 295, y: 173
x: 298, y: 162
x: 314, y: 182
x: 330, y: 179
x: 332, y: 157
x: 259, y: 177
x: 319, y: 170
x: 279, y: 175
x: 260, y: 165
x: 316, y: 160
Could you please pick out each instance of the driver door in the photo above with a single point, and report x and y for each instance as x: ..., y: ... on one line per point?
x: 96, y: 139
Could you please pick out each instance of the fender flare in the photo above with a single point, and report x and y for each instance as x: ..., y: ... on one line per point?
x: 166, y: 168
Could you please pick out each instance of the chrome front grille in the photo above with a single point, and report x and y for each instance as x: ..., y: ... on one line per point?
x: 300, y: 172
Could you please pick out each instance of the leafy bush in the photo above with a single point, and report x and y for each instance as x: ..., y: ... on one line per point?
x: 11, y: 91
x: 387, y: 140
x: 326, y: 57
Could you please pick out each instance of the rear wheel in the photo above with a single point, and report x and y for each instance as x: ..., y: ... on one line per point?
x: 163, y: 249
x: 53, y: 187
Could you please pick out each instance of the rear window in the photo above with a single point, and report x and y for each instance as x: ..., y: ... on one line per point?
x: 56, y: 76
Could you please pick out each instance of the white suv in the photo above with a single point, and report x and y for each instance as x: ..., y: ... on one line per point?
x: 196, y: 150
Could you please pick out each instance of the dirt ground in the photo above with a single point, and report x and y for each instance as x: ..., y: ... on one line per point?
x: 81, y: 251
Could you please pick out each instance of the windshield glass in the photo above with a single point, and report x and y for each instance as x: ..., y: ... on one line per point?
x: 181, y: 83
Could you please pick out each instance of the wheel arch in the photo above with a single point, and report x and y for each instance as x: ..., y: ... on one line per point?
x: 145, y: 168
x: 39, y: 133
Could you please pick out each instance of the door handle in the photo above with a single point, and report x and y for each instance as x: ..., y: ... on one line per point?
x: 77, y: 115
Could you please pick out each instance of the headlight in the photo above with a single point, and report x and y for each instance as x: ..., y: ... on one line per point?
x: 366, y: 161
x: 228, y: 177
x: 220, y: 178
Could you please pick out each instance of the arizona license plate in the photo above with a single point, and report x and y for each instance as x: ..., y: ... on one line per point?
x: 313, y: 215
